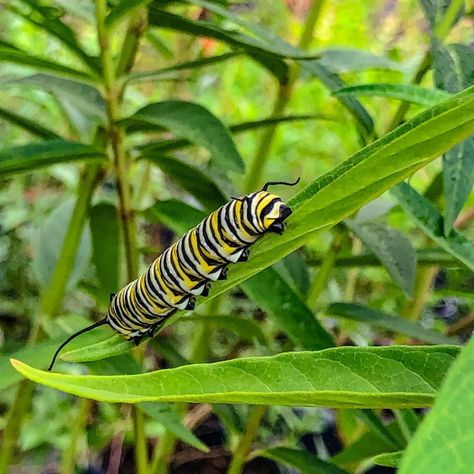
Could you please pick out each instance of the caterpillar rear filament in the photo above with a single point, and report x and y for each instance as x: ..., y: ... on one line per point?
x: 185, y: 270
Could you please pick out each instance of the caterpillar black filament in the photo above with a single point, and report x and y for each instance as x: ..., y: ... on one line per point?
x: 185, y: 270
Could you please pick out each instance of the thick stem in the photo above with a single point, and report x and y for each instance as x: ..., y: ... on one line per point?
x: 70, y: 453
x: 255, y: 173
x: 245, y: 444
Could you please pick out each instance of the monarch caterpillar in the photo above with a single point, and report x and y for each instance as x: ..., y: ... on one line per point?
x: 186, y: 268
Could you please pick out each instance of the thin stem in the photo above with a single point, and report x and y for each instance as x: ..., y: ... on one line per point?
x: 245, y: 444
x: 443, y: 28
x: 413, y: 308
x: 257, y: 165
x: 141, y: 454
x: 321, y: 277
x: 69, y: 454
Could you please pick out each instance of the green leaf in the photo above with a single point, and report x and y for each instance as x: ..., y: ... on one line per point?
x: 388, y: 459
x: 406, y: 92
x: 29, y: 125
x: 122, y: 9
x: 165, y: 415
x: 435, y: 11
x: 50, y: 241
x: 196, y: 63
x: 343, y: 377
x: 356, y: 312
x: 164, y: 19
x: 288, y: 309
x: 454, y: 70
x: 28, y: 158
x: 196, y: 124
x: 60, y: 30
x: 105, y: 246
x: 23, y: 58
x: 162, y: 146
x: 343, y: 60
x: 443, y: 442
x: 176, y: 215
x: 304, y: 461
x: 392, y: 248
x: 191, y: 179
x: 39, y: 355
x: 426, y: 216
x: 84, y: 97
x: 112, y: 346
x: 247, y: 329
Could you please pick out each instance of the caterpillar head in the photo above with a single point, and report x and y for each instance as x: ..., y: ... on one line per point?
x: 273, y: 212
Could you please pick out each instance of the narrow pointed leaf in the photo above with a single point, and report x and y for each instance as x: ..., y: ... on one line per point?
x: 363, y: 314
x: 453, y: 71
x: 388, y: 459
x: 122, y: 9
x: 406, y: 92
x: 26, y: 124
x: 112, y: 346
x: 304, y: 461
x: 344, y: 377
x: 28, y: 158
x: 196, y: 124
x: 443, y: 442
x: 392, y: 248
x: 426, y: 216
x: 191, y: 179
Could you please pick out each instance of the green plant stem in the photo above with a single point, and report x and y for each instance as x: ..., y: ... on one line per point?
x: 443, y: 28
x: 353, y: 274
x: 15, y: 416
x: 322, y: 276
x: 115, y: 134
x: 113, y: 96
x: 49, y: 305
x: 68, y: 462
x: 407, y: 421
x: 285, y: 90
x: 245, y: 443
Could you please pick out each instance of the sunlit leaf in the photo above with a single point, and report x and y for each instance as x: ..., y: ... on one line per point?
x: 343, y: 377
x: 388, y: 459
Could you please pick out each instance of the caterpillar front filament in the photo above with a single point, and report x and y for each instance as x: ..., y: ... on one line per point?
x: 185, y: 270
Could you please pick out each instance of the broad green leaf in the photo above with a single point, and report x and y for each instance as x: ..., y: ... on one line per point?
x: 29, y: 125
x: 164, y: 19
x: 191, y: 179
x: 304, y: 461
x: 105, y: 233
x: 427, y: 217
x: 176, y: 215
x: 162, y: 146
x: 363, y: 314
x: 315, y: 68
x: 196, y: 124
x: 443, y: 442
x: 164, y: 414
x: 392, y: 248
x: 122, y: 9
x: 49, y: 242
x: 39, y: 355
x: 57, y: 28
x: 23, y: 58
x: 343, y: 60
x: 406, y: 92
x: 28, y: 158
x: 287, y: 309
x: 247, y: 329
x: 453, y: 71
x: 196, y: 63
x: 344, y: 377
x: 388, y: 459
x: 112, y: 346
x: 84, y: 97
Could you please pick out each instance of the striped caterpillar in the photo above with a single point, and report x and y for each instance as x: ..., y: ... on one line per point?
x: 185, y: 269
